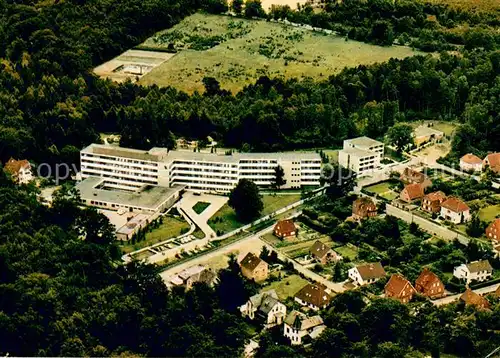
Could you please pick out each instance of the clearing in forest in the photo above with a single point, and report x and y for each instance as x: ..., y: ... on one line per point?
x: 238, y: 51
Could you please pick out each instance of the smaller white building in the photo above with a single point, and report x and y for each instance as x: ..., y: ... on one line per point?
x: 366, y: 274
x: 474, y: 271
x: 455, y: 210
x: 298, y: 326
x: 361, y: 155
x: 471, y: 163
x: 265, y: 305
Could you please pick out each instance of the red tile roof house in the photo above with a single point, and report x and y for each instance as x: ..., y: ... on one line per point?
x: 493, y: 230
x: 254, y: 268
x: 471, y: 163
x: 411, y: 193
x: 399, y: 288
x: 313, y: 296
x: 455, y: 210
x: 323, y: 253
x: 363, y: 208
x: 19, y: 170
x: 285, y: 229
x: 432, y: 202
x: 410, y: 176
x: 429, y: 285
x: 493, y: 161
x: 470, y: 298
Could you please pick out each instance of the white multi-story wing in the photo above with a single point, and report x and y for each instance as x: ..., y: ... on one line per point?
x: 130, y: 169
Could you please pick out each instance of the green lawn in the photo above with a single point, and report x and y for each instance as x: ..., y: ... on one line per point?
x: 379, y: 188
x: 200, y: 207
x: 238, y: 51
x: 489, y: 213
x: 225, y: 220
x: 171, y: 227
x: 348, y: 251
x: 286, y: 287
x: 275, y: 202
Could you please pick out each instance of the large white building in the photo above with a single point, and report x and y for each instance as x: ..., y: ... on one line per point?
x: 361, y: 155
x: 130, y: 169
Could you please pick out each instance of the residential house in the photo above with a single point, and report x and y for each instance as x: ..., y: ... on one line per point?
x: 364, y: 207
x: 367, y: 273
x: 493, y: 162
x: 411, y: 193
x: 470, y: 298
x: 429, y: 284
x: 265, y: 306
x: 493, y: 230
x: 254, y: 268
x: 315, y: 296
x: 455, y: 210
x: 19, y: 170
x: 399, y: 288
x: 285, y: 229
x: 474, y: 271
x: 298, y: 327
x: 410, y: 176
x: 192, y: 275
x: 323, y: 253
x: 423, y: 134
x: 471, y: 163
x: 432, y: 202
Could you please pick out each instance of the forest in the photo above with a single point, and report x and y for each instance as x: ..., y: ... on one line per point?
x: 60, y: 295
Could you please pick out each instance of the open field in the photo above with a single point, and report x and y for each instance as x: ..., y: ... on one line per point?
x: 287, y: 287
x: 237, y: 52
x: 229, y: 222
x: 171, y: 227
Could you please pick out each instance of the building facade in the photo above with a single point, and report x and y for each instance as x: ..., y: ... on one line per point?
x: 129, y: 169
x: 361, y: 155
x: 455, y: 210
x: 265, y: 306
x: 298, y: 326
x: 474, y: 271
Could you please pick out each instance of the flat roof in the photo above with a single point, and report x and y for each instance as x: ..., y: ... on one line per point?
x: 132, y: 224
x: 360, y: 153
x: 153, y: 155
x: 424, y: 131
x: 158, y: 154
x: 364, y: 142
x: 147, y: 197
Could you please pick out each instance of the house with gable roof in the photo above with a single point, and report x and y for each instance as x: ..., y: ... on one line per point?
x: 323, y: 253
x: 298, y: 327
x: 399, y: 288
x: 471, y: 298
x: 265, y: 306
x: 254, y: 268
x: 455, y: 210
x: 429, y: 284
x: 474, y: 271
x: 366, y: 274
x: 314, y: 296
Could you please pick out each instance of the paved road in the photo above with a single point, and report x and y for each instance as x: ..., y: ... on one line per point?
x: 480, y: 291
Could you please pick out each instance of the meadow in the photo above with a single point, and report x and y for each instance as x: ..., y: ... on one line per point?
x: 238, y: 51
